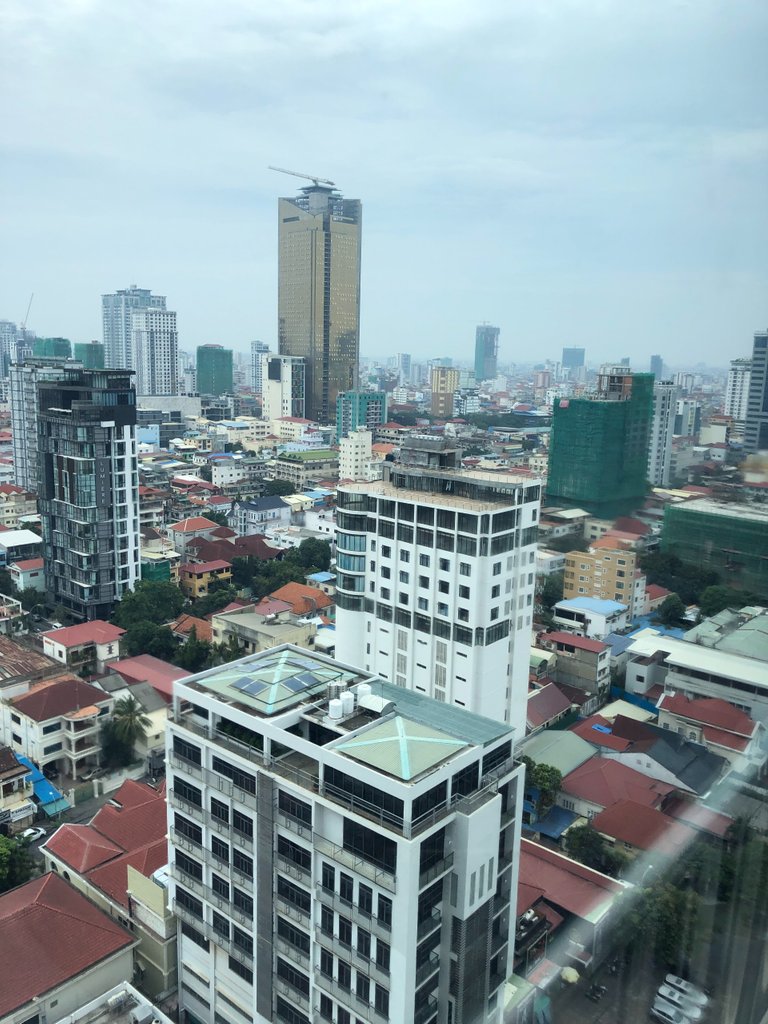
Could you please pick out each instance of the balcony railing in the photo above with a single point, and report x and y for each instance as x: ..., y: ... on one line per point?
x: 381, y: 929
x: 363, y: 867
x: 291, y: 992
x: 352, y: 955
x: 359, y: 1007
x: 428, y: 968
x: 435, y: 870
x: 429, y: 924
x: 298, y: 956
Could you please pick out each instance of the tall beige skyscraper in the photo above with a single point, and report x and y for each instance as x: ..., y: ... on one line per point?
x: 319, y: 292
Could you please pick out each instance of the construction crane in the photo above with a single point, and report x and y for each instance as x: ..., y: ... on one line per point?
x: 26, y: 315
x: 309, y: 177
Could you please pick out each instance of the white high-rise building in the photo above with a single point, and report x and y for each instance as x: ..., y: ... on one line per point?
x: 24, y: 379
x: 737, y: 394
x: 665, y: 396
x: 156, y: 351
x: 435, y: 580
x: 116, y: 312
x: 282, y: 386
x: 356, y: 461
x: 258, y: 349
x: 341, y: 849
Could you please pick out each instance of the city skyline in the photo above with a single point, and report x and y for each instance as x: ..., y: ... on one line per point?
x: 581, y: 206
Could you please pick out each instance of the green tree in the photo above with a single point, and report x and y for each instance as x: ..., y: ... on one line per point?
x: 114, y: 751
x: 16, y: 864
x: 205, y: 473
x: 147, y: 638
x: 716, y: 599
x: 193, y: 655
x: 219, y: 595
x: 217, y: 517
x: 663, y: 919
x: 29, y: 597
x: 312, y: 555
x: 586, y: 845
x: 129, y: 721
x: 278, y: 487
x: 552, y: 591
x: 548, y: 781
x: 227, y: 651
x: 149, y: 601
x: 671, y: 610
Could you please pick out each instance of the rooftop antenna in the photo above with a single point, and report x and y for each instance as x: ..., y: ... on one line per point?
x: 309, y: 177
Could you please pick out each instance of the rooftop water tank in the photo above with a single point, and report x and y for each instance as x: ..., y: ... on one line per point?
x: 335, y: 709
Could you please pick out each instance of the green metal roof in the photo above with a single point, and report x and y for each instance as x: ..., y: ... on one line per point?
x: 454, y: 721
x: 400, y: 747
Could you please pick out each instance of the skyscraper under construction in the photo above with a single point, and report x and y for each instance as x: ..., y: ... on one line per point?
x: 319, y: 291
x: 599, y: 450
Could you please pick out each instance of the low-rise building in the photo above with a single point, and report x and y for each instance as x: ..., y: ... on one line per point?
x: 12, y: 617
x: 28, y: 574
x: 60, y: 951
x: 548, y: 562
x: 119, y: 861
x: 722, y: 728
x: 196, y: 578
x: 17, y: 809
x: 302, y: 468
x: 605, y: 574
x: 600, y: 783
x: 637, y: 829
x: 57, y: 723
x: 187, y: 530
x: 545, y: 707
x: 258, y: 627
x: 85, y: 648
x: 590, y: 616
x: 15, y: 502
x: 255, y: 515
x: 581, y: 661
x: 305, y: 601
x: 19, y: 545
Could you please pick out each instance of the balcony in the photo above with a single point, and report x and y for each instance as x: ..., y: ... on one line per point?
x: 291, y: 910
x: 293, y: 953
x: 365, y: 1011
x: 378, y: 875
x: 378, y: 928
x: 351, y: 955
x: 434, y: 871
x: 429, y: 924
x: 500, y: 903
x: 427, y: 1012
x: 290, y: 867
x: 291, y: 992
x: 428, y: 968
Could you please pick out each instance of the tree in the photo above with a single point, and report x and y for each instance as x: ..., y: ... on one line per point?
x: 586, y: 845
x: 114, y: 751
x: 716, y: 599
x: 29, y: 597
x: 129, y: 721
x: 278, y: 488
x: 671, y: 610
x: 214, y: 600
x: 664, y: 919
x: 548, y: 781
x: 217, y: 517
x: 552, y: 591
x: 205, y: 473
x: 195, y: 654
x: 15, y: 862
x: 147, y: 638
x: 312, y: 554
x: 149, y: 601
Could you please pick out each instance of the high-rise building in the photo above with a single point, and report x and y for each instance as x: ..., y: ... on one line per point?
x: 598, y: 456
x: 333, y: 838
x: 486, y: 352
x: 52, y: 348
x: 90, y: 354
x: 444, y: 381
x: 756, y: 426
x: 88, y: 489
x: 360, y: 409
x: 155, y: 351
x: 116, y: 312
x: 214, y: 370
x: 25, y: 378
x: 356, y: 461
x: 737, y: 395
x: 657, y: 367
x: 665, y: 397
x: 404, y: 368
x: 10, y: 335
x: 319, y: 292
x: 688, y: 417
x: 435, y: 579
x: 258, y: 349
x: 283, y: 386
x: 573, y: 358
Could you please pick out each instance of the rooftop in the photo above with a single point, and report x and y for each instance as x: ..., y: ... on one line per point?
x: 591, y: 604
x: 95, y: 632
x: 58, y: 697
x: 28, y: 564
x: 728, y: 510
x: 194, y: 524
x: 56, y: 934
x: 582, y: 643
x: 644, y: 828
x: 311, y: 455
x: 18, y: 538
x: 562, y: 750
x: 571, y: 886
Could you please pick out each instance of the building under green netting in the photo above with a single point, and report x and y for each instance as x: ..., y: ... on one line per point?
x: 598, y: 453
x: 52, y: 348
x: 90, y: 354
x: 728, y: 538
x: 214, y: 370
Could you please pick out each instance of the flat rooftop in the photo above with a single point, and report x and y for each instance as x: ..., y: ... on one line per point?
x: 385, y: 489
x: 729, y: 510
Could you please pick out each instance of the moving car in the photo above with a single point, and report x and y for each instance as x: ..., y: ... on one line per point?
x: 667, y: 1013
x: 689, y: 990
x: 682, y: 1002
x: 31, y: 835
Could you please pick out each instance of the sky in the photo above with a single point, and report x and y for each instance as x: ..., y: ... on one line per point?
x: 578, y: 172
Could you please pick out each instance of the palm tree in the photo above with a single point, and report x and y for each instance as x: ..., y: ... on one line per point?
x: 129, y: 721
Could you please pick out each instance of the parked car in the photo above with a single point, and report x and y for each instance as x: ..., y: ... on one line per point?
x: 94, y: 773
x: 31, y: 835
x: 51, y: 771
x: 682, y: 1002
x: 689, y: 990
x: 667, y: 1013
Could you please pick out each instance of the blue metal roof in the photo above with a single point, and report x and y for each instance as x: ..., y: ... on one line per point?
x: 46, y: 794
x: 554, y: 822
x: 322, y: 577
x: 617, y: 643
x: 592, y: 604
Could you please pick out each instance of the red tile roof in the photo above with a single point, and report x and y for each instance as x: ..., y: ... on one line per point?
x: 568, y: 885
x: 722, y: 738
x: 195, y: 524
x: 597, y: 737
x: 627, y: 524
x: 28, y: 564
x: 582, y: 643
x: 527, y: 895
x: 709, y: 711
x: 654, y: 592
x: 55, y: 934
x: 604, y: 782
x: 699, y: 817
x: 545, y: 705
x: 222, y: 532
x: 644, y: 828
x: 271, y: 606
x: 112, y: 878
x: 200, y: 568
x: 58, y: 697
x: 144, y: 668
x: 303, y: 599
x: 95, y: 632
x: 186, y: 623
x: 241, y: 547
x: 81, y: 847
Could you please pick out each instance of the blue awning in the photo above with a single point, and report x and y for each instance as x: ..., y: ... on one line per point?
x: 43, y: 790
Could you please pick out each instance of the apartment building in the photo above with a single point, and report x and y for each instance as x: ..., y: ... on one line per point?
x: 342, y: 849
x: 435, y: 579
x: 604, y: 574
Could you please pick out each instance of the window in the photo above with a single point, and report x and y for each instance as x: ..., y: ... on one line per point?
x: 242, y: 901
x: 221, y: 925
x: 385, y: 593
x: 382, y: 1000
x: 402, y: 597
x: 363, y: 987
x: 386, y: 551
x: 293, y: 894
x: 465, y: 569
x: 364, y: 943
x: 345, y: 931
x: 329, y: 877
x: 187, y: 751
x: 189, y: 902
x: 365, y: 898
x: 424, y: 560
x: 188, y: 792
x: 220, y: 885
x: 188, y: 829
x: 382, y: 955
x: 294, y: 808
x: 444, y: 587
x: 422, y: 604
x: 219, y: 810
x: 386, y: 572
x: 344, y: 975
x: 220, y: 849
x: 442, y: 609
x: 194, y: 935
x: 444, y: 564
x: 346, y: 888
x: 405, y: 556
x: 385, y: 910
x: 242, y: 824
x: 241, y: 970
x: 189, y: 866
x: 242, y: 863
x: 497, y: 568
x: 494, y: 614
x: 463, y: 615
x: 403, y: 576
x: 495, y: 591
x: 326, y: 963
x: 242, y: 940
x: 464, y: 592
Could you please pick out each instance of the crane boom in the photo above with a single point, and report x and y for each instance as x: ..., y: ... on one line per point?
x: 309, y: 177
x: 26, y: 315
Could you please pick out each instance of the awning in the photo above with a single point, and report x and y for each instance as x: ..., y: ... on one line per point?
x: 57, y: 807
x: 44, y: 791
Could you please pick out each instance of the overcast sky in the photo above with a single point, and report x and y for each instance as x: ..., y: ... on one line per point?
x: 580, y: 172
